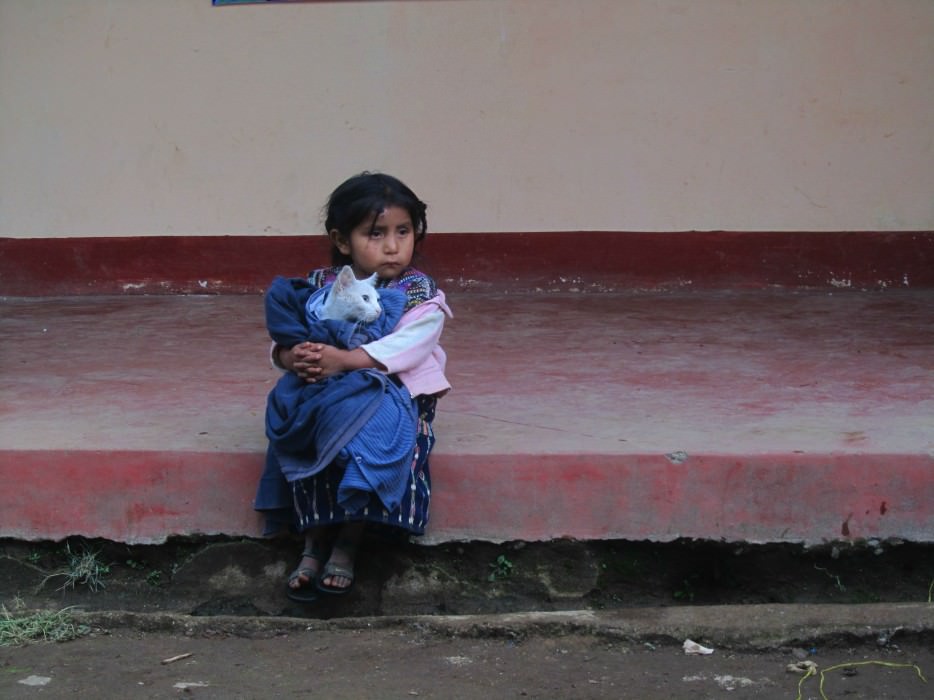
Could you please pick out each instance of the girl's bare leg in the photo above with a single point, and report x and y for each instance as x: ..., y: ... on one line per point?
x: 344, y: 553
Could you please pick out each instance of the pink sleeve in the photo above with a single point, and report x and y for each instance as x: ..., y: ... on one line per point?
x: 412, y: 341
x: 412, y: 350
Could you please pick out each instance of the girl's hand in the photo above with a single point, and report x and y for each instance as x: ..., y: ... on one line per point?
x: 302, y: 359
x: 332, y: 360
x: 315, y: 361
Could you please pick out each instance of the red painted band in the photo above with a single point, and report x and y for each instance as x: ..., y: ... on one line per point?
x: 147, y: 496
x: 581, y: 260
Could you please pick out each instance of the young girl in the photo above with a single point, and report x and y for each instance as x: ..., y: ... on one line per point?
x: 375, y: 224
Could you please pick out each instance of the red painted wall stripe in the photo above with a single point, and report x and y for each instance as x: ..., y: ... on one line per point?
x: 146, y: 497
x: 581, y: 260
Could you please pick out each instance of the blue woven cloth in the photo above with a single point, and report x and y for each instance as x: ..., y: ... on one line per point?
x: 288, y: 323
x: 363, y: 420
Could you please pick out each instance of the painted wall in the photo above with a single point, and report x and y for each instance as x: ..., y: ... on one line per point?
x: 123, y: 117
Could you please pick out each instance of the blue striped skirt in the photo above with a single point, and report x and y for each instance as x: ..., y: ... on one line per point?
x: 314, y: 500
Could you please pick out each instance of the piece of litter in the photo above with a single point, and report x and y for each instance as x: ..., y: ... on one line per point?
x: 458, y: 660
x: 182, y: 685
x: 692, y: 647
x: 733, y: 682
x: 802, y: 667
x: 36, y: 680
x: 173, y: 659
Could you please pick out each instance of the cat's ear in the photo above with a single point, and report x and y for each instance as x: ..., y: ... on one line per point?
x: 371, y: 280
x: 345, y: 277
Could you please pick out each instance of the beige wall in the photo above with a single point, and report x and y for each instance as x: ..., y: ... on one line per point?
x: 137, y: 117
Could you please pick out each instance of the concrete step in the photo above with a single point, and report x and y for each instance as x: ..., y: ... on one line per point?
x: 759, y: 416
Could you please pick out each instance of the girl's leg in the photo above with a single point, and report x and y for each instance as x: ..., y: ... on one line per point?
x: 317, y: 546
x: 338, y: 572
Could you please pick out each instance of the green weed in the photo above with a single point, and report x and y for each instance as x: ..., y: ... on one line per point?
x: 501, y: 568
x: 837, y: 582
x: 686, y: 592
x: 83, y: 567
x: 34, y: 557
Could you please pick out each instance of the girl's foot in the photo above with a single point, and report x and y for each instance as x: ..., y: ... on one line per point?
x: 302, y: 582
x: 337, y: 576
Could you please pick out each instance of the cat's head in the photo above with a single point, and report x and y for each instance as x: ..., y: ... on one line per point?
x: 354, y: 300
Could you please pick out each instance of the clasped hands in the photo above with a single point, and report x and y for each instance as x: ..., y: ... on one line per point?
x: 315, y: 361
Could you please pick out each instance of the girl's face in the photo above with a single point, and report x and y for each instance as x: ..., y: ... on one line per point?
x: 383, y: 246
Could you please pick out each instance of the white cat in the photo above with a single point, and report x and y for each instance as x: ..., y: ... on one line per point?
x: 350, y: 299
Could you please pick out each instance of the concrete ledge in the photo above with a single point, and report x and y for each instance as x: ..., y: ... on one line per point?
x: 728, y: 626
x: 749, y: 416
x: 146, y: 497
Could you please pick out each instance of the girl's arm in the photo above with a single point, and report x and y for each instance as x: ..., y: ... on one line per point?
x: 412, y: 343
x: 407, y: 347
x: 313, y: 361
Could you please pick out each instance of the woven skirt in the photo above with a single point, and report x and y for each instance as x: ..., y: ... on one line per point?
x: 314, y: 500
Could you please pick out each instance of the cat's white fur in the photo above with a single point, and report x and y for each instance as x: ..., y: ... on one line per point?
x: 350, y: 299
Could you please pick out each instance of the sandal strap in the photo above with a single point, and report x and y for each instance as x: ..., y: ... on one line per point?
x: 331, y: 570
x: 306, y: 572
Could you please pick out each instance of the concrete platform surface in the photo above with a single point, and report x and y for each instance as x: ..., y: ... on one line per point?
x: 762, y: 416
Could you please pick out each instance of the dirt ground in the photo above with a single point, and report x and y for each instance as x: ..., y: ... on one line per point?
x: 202, y: 579
x: 412, y: 663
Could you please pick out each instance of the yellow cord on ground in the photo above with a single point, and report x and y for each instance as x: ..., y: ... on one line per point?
x: 813, y: 672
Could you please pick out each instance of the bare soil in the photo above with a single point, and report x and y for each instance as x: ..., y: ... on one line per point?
x: 410, y: 663
x: 246, y: 577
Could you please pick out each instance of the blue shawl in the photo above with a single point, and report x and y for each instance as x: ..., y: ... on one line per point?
x: 364, y: 421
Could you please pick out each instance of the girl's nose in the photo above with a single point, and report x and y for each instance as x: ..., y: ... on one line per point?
x: 390, y: 244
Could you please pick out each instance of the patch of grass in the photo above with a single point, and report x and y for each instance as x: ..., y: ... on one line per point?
x: 838, y: 584
x: 84, y: 567
x: 34, y: 557
x: 43, y: 626
x: 686, y: 591
x: 501, y: 568
x: 622, y: 566
x: 153, y: 576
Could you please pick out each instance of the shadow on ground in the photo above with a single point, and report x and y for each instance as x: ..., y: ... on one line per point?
x: 247, y: 577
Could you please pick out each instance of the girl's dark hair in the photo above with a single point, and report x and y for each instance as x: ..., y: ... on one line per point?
x: 367, y: 194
